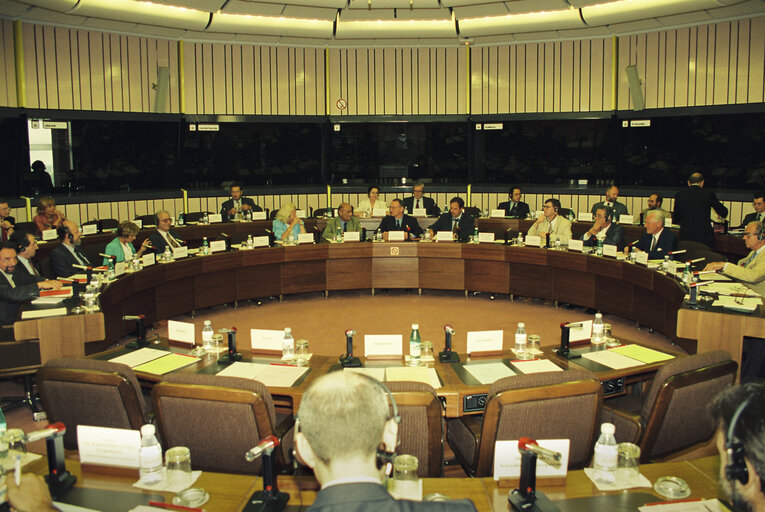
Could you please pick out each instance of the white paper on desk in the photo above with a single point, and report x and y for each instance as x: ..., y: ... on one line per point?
x: 626, y: 219
x: 748, y: 304
x: 579, y: 331
x: 305, y: 238
x: 383, y: 345
x: 507, y: 458
x: 396, y: 236
x: 490, y: 372
x: 140, y: 356
x: 42, y: 313
x: 608, y: 250
x: 89, y: 229
x: 149, y: 259
x: 497, y: 214
x: 280, y: 375
x: 138, y: 222
x: 537, y: 366
x: 260, y: 241
x: 375, y: 373
x: 217, y: 245
x: 484, y: 341
x: 66, y: 507
x: 258, y: 215
x: 120, y: 268
x: 445, y: 236
x: 419, y: 212
x: 533, y: 241
x: 242, y: 370
x: 180, y: 252
x: 672, y: 267
x: 352, y: 236
x: 714, y: 276
x: 642, y: 258
x: 611, y: 359
x: 266, y: 339
x: 712, y: 505
x: 48, y: 300
x: 181, y: 331
x: 49, y: 234
x: 215, y: 217
x: 486, y: 237
x: 584, y: 217
x: 731, y: 288
x: 379, y: 212
x: 108, y: 446
x: 414, y: 374
x: 575, y: 245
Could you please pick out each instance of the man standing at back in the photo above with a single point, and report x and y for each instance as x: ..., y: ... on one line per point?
x: 417, y: 200
x: 692, y: 206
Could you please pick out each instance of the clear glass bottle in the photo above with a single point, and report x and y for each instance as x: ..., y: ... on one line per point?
x: 207, y: 335
x: 687, y: 273
x: 339, y: 235
x: 597, y: 329
x: 521, y: 339
x: 150, y: 456
x: 250, y: 242
x: 665, y: 264
x: 205, y: 218
x: 110, y: 269
x: 474, y: 238
x: 168, y: 254
x: 633, y: 254
x: 288, y: 345
x: 415, y: 346
x: 378, y: 235
x: 599, y: 249
x: 520, y: 240
x: 205, y: 246
x: 606, y: 456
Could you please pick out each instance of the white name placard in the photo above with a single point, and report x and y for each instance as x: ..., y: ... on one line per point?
x: 352, y: 236
x: 642, y: 258
x: 300, y: 214
x: 580, y: 330
x: 507, y: 459
x: 108, y: 446
x: 396, y: 236
x: 149, y: 259
x: 533, y: 241
x: 609, y: 250
x: 668, y: 221
x: 626, y: 219
x: 180, y: 252
x: 260, y: 241
x: 215, y: 217
x: 383, y: 345
x: 584, y: 217
x: 484, y: 341
x: 180, y: 331
x: 379, y: 212
x: 138, y: 222
x: 266, y: 339
x: 120, y: 268
x: 444, y: 236
x: 575, y: 245
x: 89, y: 229
x: 672, y: 267
x: 49, y: 234
x: 305, y: 238
x: 497, y: 214
x: 217, y: 245
x: 420, y: 212
x: 486, y: 237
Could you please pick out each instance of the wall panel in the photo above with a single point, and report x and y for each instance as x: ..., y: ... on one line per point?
x: 7, y: 66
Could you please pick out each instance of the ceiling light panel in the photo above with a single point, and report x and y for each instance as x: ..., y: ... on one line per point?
x: 151, y: 30
x: 108, y: 25
x: 270, y: 26
x: 536, y: 22
x: 462, y: 3
x: 633, y: 10
x: 48, y: 16
x: 199, y: 5
x: 143, y: 12
x: 54, y: 5
x: 316, y: 13
x: 743, y: 9
x: 253, y: 8
x: 393, y: 4
x: 330, y: 4
x: 12, y: 9
x: 393, y: 29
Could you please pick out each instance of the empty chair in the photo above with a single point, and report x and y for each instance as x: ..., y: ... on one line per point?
x: 670, y: 415
x: 147, y: 220
x: 219, y: 419
x: 323, y: 212
x: 473, y: 211
x: 692, y: 250
x: 108, y: 224
x: 29, y: 227
x: 194, y: 216
x: 551, y: 405
x: 421, y: 431
x: 18, y: 359
x: 90, y: 392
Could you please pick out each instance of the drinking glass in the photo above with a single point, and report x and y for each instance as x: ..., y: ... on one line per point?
x: 178, y: 464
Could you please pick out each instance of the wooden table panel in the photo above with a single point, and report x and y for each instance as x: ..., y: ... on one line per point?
x: 568, y: 260
x: 213, y: 288
x: 606, y: 267
x: 442, y: 274
x: 531, y: 280
x: 613, y: 296
x: 487, y: 276
x: 492, y: 252
x: 261, y: 281
x: 304, y: 276
x: 175, y: 298
x: 574, y: 287
x: 349, y: 274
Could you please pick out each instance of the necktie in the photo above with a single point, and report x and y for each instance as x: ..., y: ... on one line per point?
x: 34, y: 270
x: 749, y: 260
x: 398, y: 223
x: 653, y: 243
x: 418, y: 204
x: 173, y: 242
x: 455, y: 224
x: 80, y: 256
x: 345, y: 226
x: 759, y: 219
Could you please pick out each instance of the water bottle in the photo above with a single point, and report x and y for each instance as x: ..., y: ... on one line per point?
x: 520, y: 240
x: 475, y: 235
x: 180, y: 219
x: 207, y: 335
x: 415, y: 345
x: 288, y: 345
x: 150, y: 456
x: 599, y: 249
x: 250, y: 242
x: 597, y: 329
x: 606, y: 455
x: 665, y: 264
x: 167, y: 255
x: 205, y: 218
x: 3, y: 443
x: 378, y: 235
x: 520, y: 339
x: 110, y: 269
x: 205, y: 246
x: 339, y: 235
x: 687, y: 273
x: 633, y: 254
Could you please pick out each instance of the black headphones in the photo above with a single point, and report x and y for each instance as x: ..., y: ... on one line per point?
x: 384, y: 458
x: 736, y: 467
x: 63, y: 232
x: 761, y: 231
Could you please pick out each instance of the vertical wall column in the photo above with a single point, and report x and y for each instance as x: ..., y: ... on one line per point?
x: 614, y: 72
x: 181, y: 80
x: 18, y: 55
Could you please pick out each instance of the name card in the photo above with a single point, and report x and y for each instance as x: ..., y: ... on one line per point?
x: 217, y: 245
x: 180, y: 331
x: 120, y: 268
x: 580, y: 331
x: 484, y: 341
x: 533, y: 241
x: 396, y: 236
x: 305, y: 238
x: 266, y: 339
x: 486, y: 237
x: 260, y: 241
x: 642, y: 258
x: 103, y: 446
x: 507, y: 459
x: 138, y: 222
x: 49, y: 234
x: 575, y: 245
x: 420, y: 212
x: 584, y: 217
x: 609, y: 250
x: 379, y: 212
x: 352, y: 236
x: 300, y: 214
x: 89, y: 229
x: 668, y: 221
x: 149, y: 259
x: 258, y: 215
x: 626, y: 219
x: 383, y: 345
x: 215, y: 217
x: 444, y: 236
x: 497, y: 214
x: 180, y: 252
x: 672, y: 267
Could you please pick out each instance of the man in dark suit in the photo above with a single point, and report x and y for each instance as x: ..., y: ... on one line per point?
x: 163, y: 236
x: 610, y: 233
x: 26, y: 270
x: 417, y: 200
x: 515, y: 208
x: 757, y: 215
x: 399, y: 221
x: 346, y: 430
x: 6, y: 221
x: 12, y: 293
x: 68, y: 252
x: 456, y: 220
x: 612, y: 194
x: 656, y: 241
x: 691, y: 211
x: 237, y: 203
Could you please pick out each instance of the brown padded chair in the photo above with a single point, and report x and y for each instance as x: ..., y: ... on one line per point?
x: 90, y: 392
x: 18, y: 359
x: 670, y: 415
x: 421, y: 431
x: 219, y: 419
x: 550, y: 405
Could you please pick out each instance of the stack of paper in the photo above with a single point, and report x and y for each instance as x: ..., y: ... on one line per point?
x: 490, y: 372
x: 643, y: 354
x: 271, y: 375
x: 166, y: 364
x: 139, y: 357
x: 416, y: 374
x: 612, y: 359
x: 747, y: 304
x: 537, y: 366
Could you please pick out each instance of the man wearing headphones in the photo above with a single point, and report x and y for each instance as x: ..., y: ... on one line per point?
x: 750, y: 270
x: 68, y: 252
x: 550, y: 222
x: 26, y: 270
x: 738, y: 413
x: 163, y: 237
x: 346, y: 432
x: 13, y: 293
x: 604, y: 229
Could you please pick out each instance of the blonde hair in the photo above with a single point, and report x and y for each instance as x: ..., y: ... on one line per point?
x: 284, y: 212
x: 44, y: 203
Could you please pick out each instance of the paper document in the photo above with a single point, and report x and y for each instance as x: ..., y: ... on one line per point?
x: 691, y: 505
x: 490, y: 372
x: 144, y: 355
x: 747, y: 304
x: 416, y: 374
x: 42, y: 313
x: 167, y: 364
x: 644, y: 354
x: 375, y: 373
x: 612, y: 359
x: 242, y: 370
x: 713, y: 276
x: 731, y: 289
x: 48, y: 300
x: 537, y: 366
x: 271, y: 375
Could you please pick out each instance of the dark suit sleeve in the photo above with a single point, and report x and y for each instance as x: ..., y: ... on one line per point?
x: 60, y: 264
x: 255, y: 208
x: 718, y: 207
x: 616, y: 237
x: 442, y: 224
x: 224, y: 208
x: 18, y: 294
x: 386, y: 224
x: 432, y: 209
x: 467, y: 227
x: 523, y: 210
x: 677, y: 213
x: 157, y: 242
x: 644, y: 243
x: 414, y: 226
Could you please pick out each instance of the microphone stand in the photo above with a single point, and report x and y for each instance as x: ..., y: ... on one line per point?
x: 59, y: 479
x: 526, y: 498
x: 140, y: 340
x: 270, y: 499
x: 565, y: 345
x: 446, y: 355
x: 232, y: 355
x: 347, y: 360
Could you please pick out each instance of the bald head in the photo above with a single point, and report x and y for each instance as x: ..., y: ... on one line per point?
x: 696, y: 179
x: 70, y: 233
x: 344, y: 211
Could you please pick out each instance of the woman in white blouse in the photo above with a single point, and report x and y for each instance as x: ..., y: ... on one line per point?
x: 367, y: 206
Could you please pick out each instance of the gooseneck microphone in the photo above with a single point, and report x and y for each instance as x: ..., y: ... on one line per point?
x: 264, y: 447
x: 347, y: 360
x: 134, y: 317
x: 447, y: 355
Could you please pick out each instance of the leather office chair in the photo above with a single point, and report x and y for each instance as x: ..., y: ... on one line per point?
x: 90, y: 392
x: 421, y: 431
x: 147, y: 220
x: 108, y: 224
x: 18, y: 359
x: 670, y: 415
x: 551, y: 405
x: 194, y: 216
x: 473, y: 211
x: 323, y: 212
x: 29, y: 227
x: 219, y: 419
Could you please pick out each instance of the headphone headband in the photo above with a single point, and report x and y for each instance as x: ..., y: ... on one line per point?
x: 736, y: 468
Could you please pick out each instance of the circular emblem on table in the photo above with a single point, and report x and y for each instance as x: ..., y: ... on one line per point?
x: 394, y: 251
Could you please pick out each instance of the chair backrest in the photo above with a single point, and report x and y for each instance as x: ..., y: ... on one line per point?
x: 674, y: 405
x: 147, y: 220
x: 218, y: 418
x: 551, y: 405
x: 323, y: 212
x: 105, y: 224
x: 693, y: 249
x: 194, y: 216
x: 473, y: 211
x: 90, y: 392
x: 421, y: 431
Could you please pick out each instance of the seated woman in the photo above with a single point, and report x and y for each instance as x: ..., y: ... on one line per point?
x: 287, y: 224
x: 367, y: 206
x: 122, y: 246
x: 48, y: 217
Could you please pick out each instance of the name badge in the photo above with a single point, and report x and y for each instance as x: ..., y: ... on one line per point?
x: 217, y: 245
x: 215, y: 217
x: 258, y: 215
x: 266, y: 339
x: 609, y: 250
x: 533, y: 241
x: 300, y: 214
x: 120, y: 268
x: 396, y: 236
x: 383, y: 345
x: 180, y: 252
x: 642, y: 258
x: 260, y: 241
x: 486, y: 237
x: 584, y: 217
x: 580, y: 331
x: 575, y: 245
x: 497, y: 214
x: 305, y: 238
x: 89, y: 229
x: 116, y: 447
x: 420, y: 212
x: 444, y: 236
x: 49, y: 234
x: 352, y: 236
x: 626, y: 219
x: 149, y: 259
x: 484, y: 341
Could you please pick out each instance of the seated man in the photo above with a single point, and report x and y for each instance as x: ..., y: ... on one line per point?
x: 344, y: 430
x: 612, y: 194
x: 163, y: 237
x: 656, y: 241
x: 456, y: 221
x: 654, y: 203
x: 68, y: 252
x: 757, y: 215
x: 12, y: 293
x: 399, y: 221
x: 417, y: 200
x: 550, y: 222
x: 604, y: 229
x: 6, y: 221
x: 515, y: 208
x: 345, y: 221
x: 237, y: 203
x: 26, y: 271
x: 750, y: 270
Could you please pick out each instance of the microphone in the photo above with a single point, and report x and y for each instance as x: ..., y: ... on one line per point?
x: 349, y: 341
x: 134, y: 317
x: 110, y: 256
x: 672, y: 253
x: 264, y: 447
x: 82, y: 267
x: 547, y: 456
x: 347, y: 360
x: 446, y: 355
x: 51, y: 430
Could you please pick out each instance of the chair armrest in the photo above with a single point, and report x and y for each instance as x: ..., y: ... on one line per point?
x: 629, y: 426
x: 284, y: 426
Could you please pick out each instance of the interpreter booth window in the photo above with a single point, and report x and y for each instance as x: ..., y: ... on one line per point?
x: 49, y: 156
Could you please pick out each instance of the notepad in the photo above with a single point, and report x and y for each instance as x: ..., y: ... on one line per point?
x: 537, y: 366
x: 42, y: 313
x: 490, y: 372
x: 375, y: 373
x: 139, y: 357
x: 644, y: 354
x: 415, y: 374
x: 166, y: 364
x: 270, y: 375
x: 612, y: 359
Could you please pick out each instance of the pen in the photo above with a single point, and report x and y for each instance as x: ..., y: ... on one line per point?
x: 17, y: 471
x: 169, y: 506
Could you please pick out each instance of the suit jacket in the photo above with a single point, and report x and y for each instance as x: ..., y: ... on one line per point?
x: 426, y: 202
x: 407, y: 221
x: 614, y: 236
x: 227, y: 205
x: 692, y: 205
x: 561, y: 229
x: 10, y: 298
x: 466, y: 225
x: 667, y: 242
x: 61, y: 261
x: 618, y: 208
x: 330, y: 230
x: 752, y: 276
x: 22, y: 276
x: 5, y: 232
x: 158, y: 241
x: 518, y: 211
x: 114, y: 248
x: 363, y: 497
x: 751, y: 217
